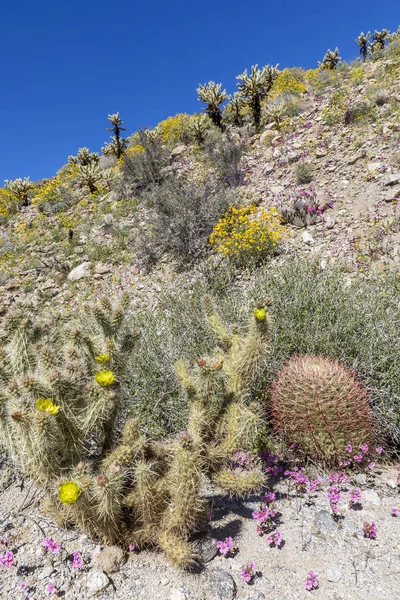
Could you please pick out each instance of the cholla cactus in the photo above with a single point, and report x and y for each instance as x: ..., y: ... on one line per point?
x: 233, y: 109
x: 108, y: 175
x: 275, y: 111
x: 394, y: 36
x: 118, y: 145
x: 20, y: 189
x: 90, y: 175
x: 255, y: 87
x: 212, y: 94
x: 84, y: 157
x: 330, y: 60
x: 363, y: 42
x: 198, y: 127
x: 380, y: 38
x: 61, y: 392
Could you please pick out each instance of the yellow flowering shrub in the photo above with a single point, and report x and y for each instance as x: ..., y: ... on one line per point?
x: 289, y: 81
x: 4, y: 202
x: 174, y: 130
x: 357, y: 74
x: 247, y: 233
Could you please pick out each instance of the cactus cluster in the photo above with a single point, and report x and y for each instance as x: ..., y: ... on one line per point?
x: 212, y: 94
x: 118, y: 144
x: 330, y: 60
x: 254, y: 88
x: 61, y: 392
x: 319, y: 404
x: 20, y: 188
x: 84, y: 157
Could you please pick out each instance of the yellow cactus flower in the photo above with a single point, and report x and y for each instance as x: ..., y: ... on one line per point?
x: 105, y: 378
x: 46, y: 405
x: 260, y: 314
x: 69, y: 492
x: 102, y: 358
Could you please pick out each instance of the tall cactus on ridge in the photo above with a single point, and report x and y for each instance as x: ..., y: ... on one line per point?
x: 212, y: 94
x: 254, y: 88
x: 363, y: 43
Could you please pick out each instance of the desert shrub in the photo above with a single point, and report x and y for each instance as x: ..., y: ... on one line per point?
x: 142, y: 168
x: 247, y: 234
x: 289, y: 81
x: 393, y: 49
x: 174, y: 130
x: 304, y: 173
x: 225, y: 153
x: 319, y: 404
x: 53, y: 196
x: 358, y: 113
x: 182, y: 217
x: 381, y: 98
x: 335, y: 111
x: 315, y: 312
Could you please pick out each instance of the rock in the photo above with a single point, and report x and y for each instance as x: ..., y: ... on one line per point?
x: 354, y: 158
x: 320, y: 152
x: 392, y: 179
x: 370, y: 498
x: 323, y: 523
x: 221, y: 585
x: 179, y: 150
x: 179, y: 594
x: 335, y: 574
x: 253, y: 595
x: 391, y: 195
x: 307, y: 238
x: 277, y: 189
x: 111, y: 559
x: 101, y: 269
x: 374, y: 166
x: 79, y: 272
x: 268, y: 168
x: 267, y: 136
x: 97, y: 581
x: 12, y: 284
x: 360, y: 478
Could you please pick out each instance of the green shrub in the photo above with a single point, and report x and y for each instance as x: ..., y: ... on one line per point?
x: 145, y: 167
x: 225, y: 153
x: 314, y: 312
x: 182, y: 217
x: 304, y: 173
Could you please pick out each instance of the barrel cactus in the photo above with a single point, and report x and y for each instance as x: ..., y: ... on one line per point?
x: 319, y: 404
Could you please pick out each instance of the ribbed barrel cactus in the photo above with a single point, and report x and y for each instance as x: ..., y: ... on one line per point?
x: 319, y: 404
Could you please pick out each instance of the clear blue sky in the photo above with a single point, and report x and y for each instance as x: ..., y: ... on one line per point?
x: 66, y: 65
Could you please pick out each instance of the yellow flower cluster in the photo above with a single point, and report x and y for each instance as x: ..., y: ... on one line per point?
x: 4, y: 201
x: 288, y: 81
x: 173, y: 129
x: 47, y: 192
x: 247, y: 232
x: 69, y: 492
x: 357, y: 74
x: 105, y: 378
x: 47, y: 405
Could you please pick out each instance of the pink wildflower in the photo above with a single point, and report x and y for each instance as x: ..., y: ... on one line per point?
x: 369, y: 530
x: 313, y: 485
x: 364, y: 448
x: 275, y: 539
x: 268, y: 498
x: 51, y: 545
x: 379, y: 450
x: 334, y: 497
x: 355, y: 495
x: 7, y: 559
x: 132, y: 547
x: 23, y: 586
x: 77, y: 562
x: 358, y: 458
x: 311, y: 582
x: 349, y: 448
x: 247, y: 573
x: 51, y: 588
x: 395, y: 512
x: 225, y: 547
x: 372, y: 465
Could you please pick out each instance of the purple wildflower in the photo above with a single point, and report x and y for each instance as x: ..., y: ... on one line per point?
x: 275, y: 539
x: 268, y: 498
x: 247, y: 573
x: 379, y: 450
x: 364, y: 448
x: 334, y: 497
x: 77, y: 562
x: 7, y: 559
x: 369, y: 530
x: 51, y: 588
x: 395, y: 512
x: 349, y: 448
x: 226, y: 546
x: 358, y: 458
x: 312, y: 581
x: 22, y: 586
x: 51, y: 545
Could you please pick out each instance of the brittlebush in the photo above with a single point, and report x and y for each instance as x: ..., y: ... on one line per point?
x: 247, y: 233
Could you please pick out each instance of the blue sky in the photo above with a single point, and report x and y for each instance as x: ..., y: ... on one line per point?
x: 67, y: 65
